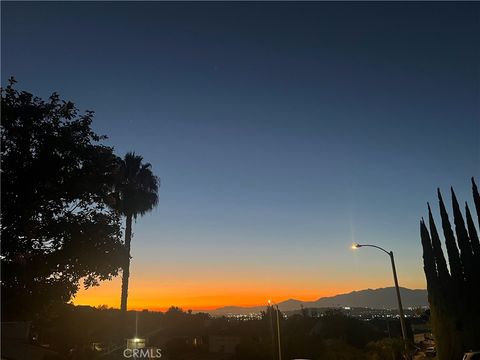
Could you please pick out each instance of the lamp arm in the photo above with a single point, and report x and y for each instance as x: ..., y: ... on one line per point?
x: 375, y: 246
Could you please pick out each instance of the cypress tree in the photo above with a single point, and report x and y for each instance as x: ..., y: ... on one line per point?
x: 472, y: 232
x: 476, y: 199
x: 440, y: 261
x: 428, y: 258
x: 442, y: 324
x: 452, y: 250
x: 463, y: 240
x: 455, y: 314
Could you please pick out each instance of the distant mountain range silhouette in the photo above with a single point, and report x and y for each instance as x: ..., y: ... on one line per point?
x: 383, y: 298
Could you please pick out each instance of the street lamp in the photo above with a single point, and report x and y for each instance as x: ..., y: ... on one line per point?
x: 399, y: 299
x: 275, y: 306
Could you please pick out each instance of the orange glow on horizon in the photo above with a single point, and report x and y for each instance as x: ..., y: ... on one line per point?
x: 209, y: 296
x: 207, y: 285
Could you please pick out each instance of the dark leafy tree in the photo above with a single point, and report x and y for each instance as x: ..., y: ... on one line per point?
x: 136, y: 193
x: 453, y: 293
x: 385, y: 349
x: 55, y: 226
x: 335, y: 325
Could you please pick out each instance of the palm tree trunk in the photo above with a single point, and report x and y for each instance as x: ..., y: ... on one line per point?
x: 126, y: 266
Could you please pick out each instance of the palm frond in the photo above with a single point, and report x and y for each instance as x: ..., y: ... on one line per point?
x: 136, y: 189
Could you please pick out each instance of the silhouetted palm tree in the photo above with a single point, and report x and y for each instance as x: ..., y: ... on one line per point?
x: 136, y: 192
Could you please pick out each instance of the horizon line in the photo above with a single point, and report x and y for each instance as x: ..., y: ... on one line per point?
x: 244, y: 306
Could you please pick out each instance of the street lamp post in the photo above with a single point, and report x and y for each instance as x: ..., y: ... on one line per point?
x: 271, y: 327
x: 275, y: 306
x: 395, y: 279
x: 278, y: 334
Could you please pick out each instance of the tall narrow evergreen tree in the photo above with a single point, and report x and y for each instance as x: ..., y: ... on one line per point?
x: 453, y: 292
x: 476, y: 199
x: 472, y: 232
x: 452, y: 250
x: 463, y: 240
x: 440, y: 261
x: 428, y: 258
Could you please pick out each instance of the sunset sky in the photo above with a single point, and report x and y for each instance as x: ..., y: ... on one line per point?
x: 282, y: 133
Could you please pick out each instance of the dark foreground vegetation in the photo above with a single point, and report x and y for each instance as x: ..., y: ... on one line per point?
x: 94, y: 333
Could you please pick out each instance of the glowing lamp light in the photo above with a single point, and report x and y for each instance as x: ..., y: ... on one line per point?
x: 136, y: 343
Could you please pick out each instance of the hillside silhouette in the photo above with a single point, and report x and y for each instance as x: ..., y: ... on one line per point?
x: 382, y: 298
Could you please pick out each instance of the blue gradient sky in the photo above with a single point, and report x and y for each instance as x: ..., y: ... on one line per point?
x: 282, y: 132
